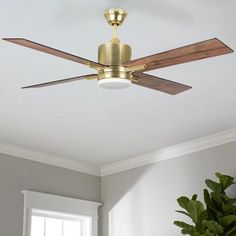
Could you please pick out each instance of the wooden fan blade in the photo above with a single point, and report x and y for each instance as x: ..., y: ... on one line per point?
x: 53, y: 51
x: 62, y: 81
x: 209, y: 48
x: 163, y: 85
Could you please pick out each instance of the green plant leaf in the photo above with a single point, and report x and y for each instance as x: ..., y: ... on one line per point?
x: 183, y: 202
x: 207, y: 197
x: 196, y: 234
x: 192, y: 210
x: 215, y: 187
x: 203, y: 215
x: 213, y: 226
x: 200, y: 207
x: 183, y: 225
x: 195, y: 208
x: 232, y: 200
x: 208, y: 233
x: 227, y: 220
x: 232, y: 231
x: 183, y: 212
x: 229, y: 209
x: 219, y: 217
x: 187, y: 231
x: 225, y: 180
x: 218, y: 175
x: 186, y: 228
x: 218, y: 199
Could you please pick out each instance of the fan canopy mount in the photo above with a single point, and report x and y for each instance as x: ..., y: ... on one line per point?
x: 115, y: 16
x: 115, y: 69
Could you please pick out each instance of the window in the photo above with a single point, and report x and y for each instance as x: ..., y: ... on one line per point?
x: 44, y: 223
x: 51, y: 215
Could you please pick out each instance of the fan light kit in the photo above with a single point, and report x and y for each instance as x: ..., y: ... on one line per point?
x: 115, y: 69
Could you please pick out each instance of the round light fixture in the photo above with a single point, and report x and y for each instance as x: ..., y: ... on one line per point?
x: 114, y: 83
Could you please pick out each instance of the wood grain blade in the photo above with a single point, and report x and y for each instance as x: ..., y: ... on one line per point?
x: 42, y: 48
x: 163, y: 85
x: 62, y: 81
x: 209, y: 48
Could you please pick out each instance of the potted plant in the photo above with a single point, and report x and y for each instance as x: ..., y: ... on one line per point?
x: 216, y: 216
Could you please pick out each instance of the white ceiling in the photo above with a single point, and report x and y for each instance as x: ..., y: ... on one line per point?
x: 97, y: 126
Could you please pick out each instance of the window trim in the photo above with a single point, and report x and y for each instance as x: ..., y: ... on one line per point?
x: 59, y: 215
x: 55, y: 203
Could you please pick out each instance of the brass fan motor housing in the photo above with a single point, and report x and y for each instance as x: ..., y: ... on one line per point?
x: 114, y: 53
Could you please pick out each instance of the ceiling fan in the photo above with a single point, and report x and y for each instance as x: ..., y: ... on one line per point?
x: 115, y: 69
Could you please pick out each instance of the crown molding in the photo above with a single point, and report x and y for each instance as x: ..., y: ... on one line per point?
x: 33, y: 155
x: 196, y: 145
x: 171, y: 152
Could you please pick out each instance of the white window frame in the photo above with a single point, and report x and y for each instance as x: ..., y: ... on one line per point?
x: 55, y: 203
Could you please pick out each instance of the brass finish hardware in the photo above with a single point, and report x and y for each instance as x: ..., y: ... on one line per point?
x: 134, y: 80
x: 114, y: 72
x: 136, y: 68
x: 91, y: 65
x: 115, y: 16
x: 91, y: 77
x: 114, y: 53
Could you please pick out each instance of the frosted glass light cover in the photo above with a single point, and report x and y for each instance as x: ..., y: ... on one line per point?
x: 114, y: 83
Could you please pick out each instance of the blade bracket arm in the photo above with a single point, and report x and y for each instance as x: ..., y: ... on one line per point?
x: 95, y: 66
x: 136, y: 68
x: 91, y: 77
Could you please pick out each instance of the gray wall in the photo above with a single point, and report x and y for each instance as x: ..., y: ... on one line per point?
x: 18, y: 174
x: 141, y: 201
